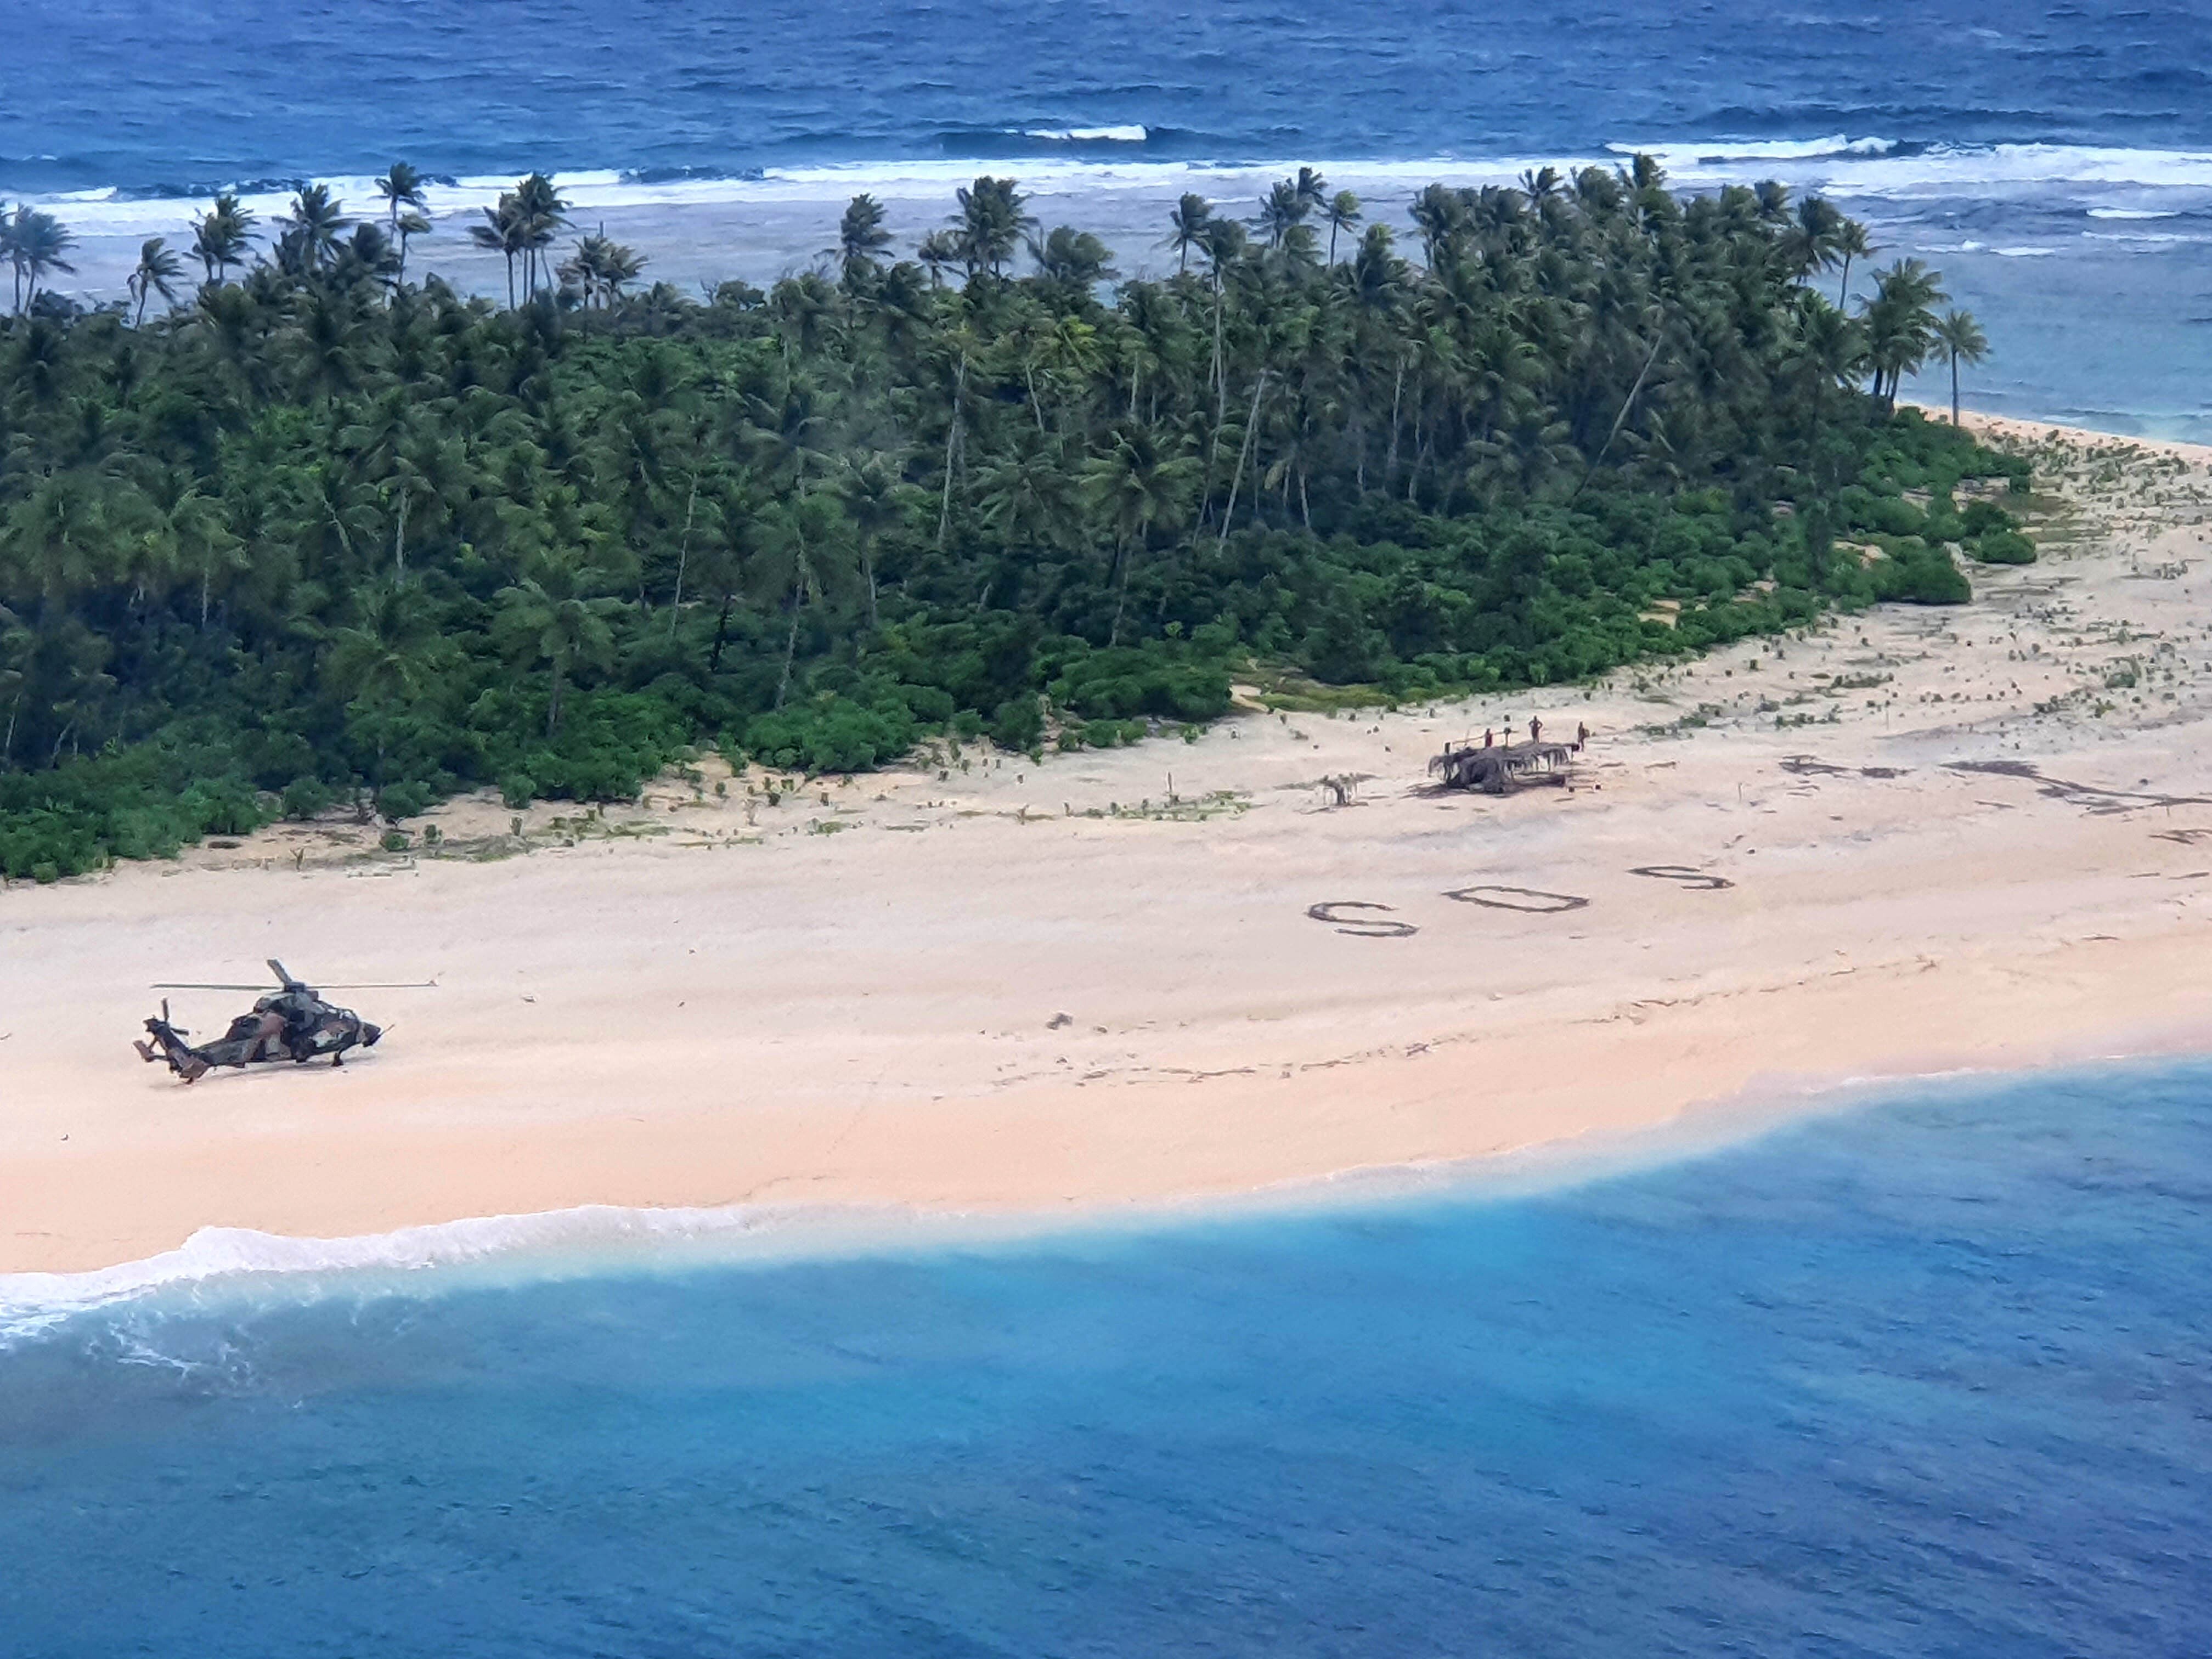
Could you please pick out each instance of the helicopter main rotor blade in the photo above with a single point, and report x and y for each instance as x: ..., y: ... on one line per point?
x: 410, y: 985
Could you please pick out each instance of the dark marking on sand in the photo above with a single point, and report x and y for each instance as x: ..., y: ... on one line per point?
x: 2092, y: 797
x: 1694, y: 879
x: 2182, y: 837
x: 1548, y: 904
x: 1805, y: 766
x: 1361, y: 927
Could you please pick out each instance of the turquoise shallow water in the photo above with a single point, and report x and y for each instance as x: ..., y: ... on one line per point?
x: 1928, y: 1378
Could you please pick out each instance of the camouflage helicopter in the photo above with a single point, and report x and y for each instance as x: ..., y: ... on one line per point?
x: 291, y: 1023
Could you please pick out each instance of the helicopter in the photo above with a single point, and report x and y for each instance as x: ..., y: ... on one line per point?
x: 293, y: 1023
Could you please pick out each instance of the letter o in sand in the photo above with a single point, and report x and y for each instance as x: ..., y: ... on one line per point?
x: 1360, y: 927
x: 1696, y: 880
x: 1537, y: 903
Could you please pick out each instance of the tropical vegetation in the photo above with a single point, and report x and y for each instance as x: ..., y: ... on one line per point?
x: 320, y: 533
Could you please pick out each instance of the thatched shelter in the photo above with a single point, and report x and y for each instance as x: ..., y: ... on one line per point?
x: 1497, y: 768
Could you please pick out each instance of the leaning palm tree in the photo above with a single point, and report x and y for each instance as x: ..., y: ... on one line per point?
x: 158, y: 272
x: 34, y: 242
x: 1849, y: 242
x: 1960, y: 337
x: 408, y: 226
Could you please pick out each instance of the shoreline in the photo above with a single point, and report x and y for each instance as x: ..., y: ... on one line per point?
x: 957, y: 1005
x: 590, y: 1239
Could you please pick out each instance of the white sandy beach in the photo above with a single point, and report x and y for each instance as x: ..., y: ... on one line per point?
x: 1083, y: 987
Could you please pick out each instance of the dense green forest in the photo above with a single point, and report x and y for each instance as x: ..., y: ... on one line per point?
x: 311, y: 531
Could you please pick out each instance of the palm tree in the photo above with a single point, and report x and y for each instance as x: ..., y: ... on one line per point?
x: 406, y: 227
x: 803, y: 555
x: 1342, y: 214
x: 543, y: 215
x: 1189, y: 223
x: 220, y: 236
x: 601, y: 269
x: 1074, y: 259
x: 557, y: 615
x: 861, y: 235
x: 1849, y: 242
x: 34, y: 242
x: 1137, y: 484
x: 158, y: 272
x: 505, y: 232
x: 1960, y: 337
x: 991, y: 223
x: 1280, y: 209
x: 385, y: 658
x: 1311, y: 190
x: 314, y: 226
x: 1900, y: 324
x: 401, y: 187
x: 938, y: 252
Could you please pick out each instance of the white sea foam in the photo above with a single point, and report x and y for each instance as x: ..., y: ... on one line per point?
x: 1128, y: 135
x: 33, y: 1302
x: 1865, y: 169
x: 1672, y: 152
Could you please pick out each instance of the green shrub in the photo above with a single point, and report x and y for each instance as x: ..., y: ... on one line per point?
x: 46, y: 872
x: 404, y: 800
x: 2003, y: 547
x: 395, y: 841
x: 1018, y: 723
x: 830, y: 734
x: 1923, y: 575
x: 305, y: 798
x: 518, y: 790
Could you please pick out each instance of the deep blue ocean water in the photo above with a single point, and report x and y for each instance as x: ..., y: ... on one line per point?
x: 1928, y: 1378
x: 183, y: 93
x: 2055, y: 160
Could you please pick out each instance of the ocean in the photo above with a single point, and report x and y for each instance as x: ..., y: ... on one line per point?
x: 2054, y: 161
x: 1931, y: 1377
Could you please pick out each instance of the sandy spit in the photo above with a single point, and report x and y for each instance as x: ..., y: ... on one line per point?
x: 1911, y: 841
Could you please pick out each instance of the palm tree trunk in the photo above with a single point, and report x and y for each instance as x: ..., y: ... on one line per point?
x: 790, y: 650
x: 683, y: 555
x: 721, y: 637
x: 951, y: 448
x: 1843, y: 287
x: 1235, y: 478
x: 399, y: 539
x: 553, y: 706
x: 1955, y: 388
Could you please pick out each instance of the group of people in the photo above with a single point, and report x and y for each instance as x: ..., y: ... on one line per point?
x: 1535, y: 733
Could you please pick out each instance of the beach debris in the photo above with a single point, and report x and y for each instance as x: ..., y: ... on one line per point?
x: 1059, y: 1020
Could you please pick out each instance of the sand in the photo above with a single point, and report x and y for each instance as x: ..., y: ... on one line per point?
x: 1912, y: 842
